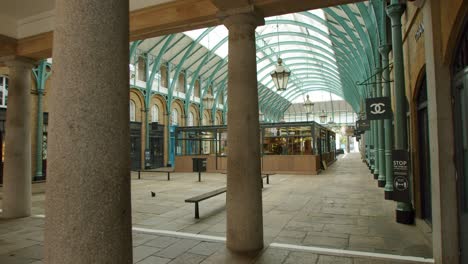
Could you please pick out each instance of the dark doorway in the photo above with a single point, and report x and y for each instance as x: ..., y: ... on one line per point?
x: 135, y: 145
x: 424, y: 157
x: 460, y: 112
x: 156, y: 145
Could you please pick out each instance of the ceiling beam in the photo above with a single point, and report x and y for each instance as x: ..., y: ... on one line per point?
x: 169, y: 18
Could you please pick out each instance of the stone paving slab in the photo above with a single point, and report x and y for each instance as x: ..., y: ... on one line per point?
x: 155, y: 249
x: 339, y: 208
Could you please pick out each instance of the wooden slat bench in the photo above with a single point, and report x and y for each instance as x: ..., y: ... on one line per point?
x: 201, y: 197
x: 167, y: 170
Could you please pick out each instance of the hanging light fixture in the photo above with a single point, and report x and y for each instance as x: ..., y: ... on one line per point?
x: 331, y: 122
x: 208, y: 101
x: 323, y: 117
x: 308, y: 105
x: 280, y: 75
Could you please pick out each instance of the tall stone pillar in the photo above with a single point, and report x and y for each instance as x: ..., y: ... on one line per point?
x: 447, y: 227
x: 244, y: 195
x: 404, y: 211
x: 348, y: 149
x: 17, y: 171
x: 88, y: 212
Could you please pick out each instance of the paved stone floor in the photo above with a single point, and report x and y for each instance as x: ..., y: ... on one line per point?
x: 342, y: 208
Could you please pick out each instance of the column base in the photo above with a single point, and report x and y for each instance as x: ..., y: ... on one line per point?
x: 39, y: 178
x: 388, y: 195
x: 405, y: 217
x: 372, y: 171
x: 376, y: 176
x: 381, y: 183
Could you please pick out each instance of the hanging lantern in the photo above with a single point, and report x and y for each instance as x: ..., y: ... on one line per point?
x: 280, y: 76
x: 208, y: 101
x: 323, y: 117
x: 308, y: 105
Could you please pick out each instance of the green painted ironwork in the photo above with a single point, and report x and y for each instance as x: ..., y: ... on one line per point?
x: 41, y: 73
x: 394, y: 11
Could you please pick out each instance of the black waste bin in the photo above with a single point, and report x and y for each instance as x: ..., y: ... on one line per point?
x: 199, y: 164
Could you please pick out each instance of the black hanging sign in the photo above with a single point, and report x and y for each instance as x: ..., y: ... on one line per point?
x: 401, y: 191
x: 362, y: 125
x: 378, y: 108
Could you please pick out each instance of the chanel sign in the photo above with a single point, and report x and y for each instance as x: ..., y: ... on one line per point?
x: 378, y: 108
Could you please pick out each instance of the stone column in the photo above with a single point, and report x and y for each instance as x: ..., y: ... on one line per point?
x: 404, y: 211
x: 88, y: 212
x: 348, y: 149
x: 244, y: 194
x: 446, y: 229
x: 17, y: 171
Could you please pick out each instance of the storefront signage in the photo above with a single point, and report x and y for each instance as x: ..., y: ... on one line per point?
x: 147, y: 158
x: 401, y: 188
x: 362, y: 125
x: 378, y: 108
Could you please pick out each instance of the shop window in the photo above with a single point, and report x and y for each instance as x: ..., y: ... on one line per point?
x: 132, y: 111
x: 3, y: 91
x: 141, y: 69
x: 154, y: 113
x: 175, y: 117
x: 190, y: 119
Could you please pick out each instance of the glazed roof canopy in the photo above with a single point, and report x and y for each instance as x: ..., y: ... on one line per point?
x: 329, y: 49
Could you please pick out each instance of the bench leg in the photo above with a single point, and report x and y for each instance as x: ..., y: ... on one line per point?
x: 168, y: 176
x: 268, y: 179
x: 197, y: 216
x: 138, y: 174
x: 199, y: 176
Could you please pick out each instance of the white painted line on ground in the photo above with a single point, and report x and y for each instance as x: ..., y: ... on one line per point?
x: 38, y: 216
x: 351, y: 253
x: 178, y: 234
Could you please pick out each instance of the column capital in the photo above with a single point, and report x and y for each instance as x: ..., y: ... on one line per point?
x: 384, y: 49
x: 240, y: 16
x: 394, y: 11
x: 17, y: 61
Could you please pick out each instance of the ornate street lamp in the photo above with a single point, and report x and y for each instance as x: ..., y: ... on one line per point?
x: 280, y: 76
x: 208, y: 101
x: 323, y: 117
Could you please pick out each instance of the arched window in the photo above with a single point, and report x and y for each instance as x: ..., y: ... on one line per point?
x: 190, y: 119
x: 132, y: 110
x: 154, y: 113
x: 175, y: 117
